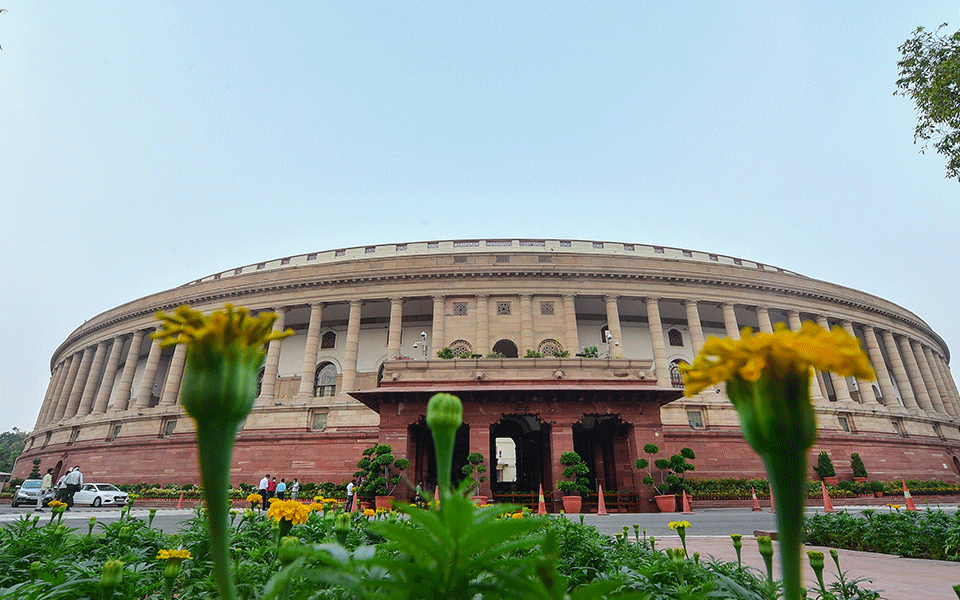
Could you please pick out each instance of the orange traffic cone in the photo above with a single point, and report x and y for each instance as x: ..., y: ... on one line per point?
x: 180, y: 501
x: 907, y: 498
x: 773, y: 507
x: 542, y: 506
x: 756, y: 503
x: 686, y: 504
x: 436, y: 494
x: 827, y: 505
x: 601, y: 505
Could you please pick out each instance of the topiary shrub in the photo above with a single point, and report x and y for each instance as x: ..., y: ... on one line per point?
x: 574, y: 484
x: 446, y: 352
x: 475, y: 469
x: 375, y: 471
x: 824, y: 466
x: 859, y: 470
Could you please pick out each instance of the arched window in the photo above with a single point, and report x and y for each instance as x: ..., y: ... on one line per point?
x: 675, y: 337
x: 461, y: 347
x: 549, y: 347
x: 328, y: 340
x: 507, y: 348
x: 325, y: 382
x: 676, y: 379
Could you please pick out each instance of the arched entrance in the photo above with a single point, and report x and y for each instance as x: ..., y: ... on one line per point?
x: 423, y: 459
x: 507, y: 348
x: 601, y: 441
x: 529, y: 438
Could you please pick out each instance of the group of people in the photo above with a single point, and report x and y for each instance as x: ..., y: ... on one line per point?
x: 271, y: 488
x: 67, y: 486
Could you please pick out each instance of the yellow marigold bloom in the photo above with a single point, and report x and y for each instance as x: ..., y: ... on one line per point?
x: 517, y: 515
x: 316, y: 507
x: 255, y: 498
x: 180, y: 554
x: 369, y: 512
x: 679, y: 525
x: 289, y: 510
x: 782, y: 353
x: 56, y: 503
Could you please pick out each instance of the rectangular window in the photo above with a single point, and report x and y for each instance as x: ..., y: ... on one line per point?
x: 168, y: 426
x: 544, y: 259
x: 459, y: 259
x: 546, y: 308
x: 115, y: 432
x: 844, y: 424
x: 503, y: 308
x: 695, y: 419
x: 896, y: 428
x: 503, y: 258
x: 459, y: 309
x: 318, y: 420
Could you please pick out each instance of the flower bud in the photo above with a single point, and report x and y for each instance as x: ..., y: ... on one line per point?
x: 111, y: 577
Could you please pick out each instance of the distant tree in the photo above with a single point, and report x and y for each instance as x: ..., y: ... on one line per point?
x: 11, y: 445
x: 35, y: 472
x: 930, y: 76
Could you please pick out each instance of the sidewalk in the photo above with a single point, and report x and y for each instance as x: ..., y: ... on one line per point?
x: 894, y: 577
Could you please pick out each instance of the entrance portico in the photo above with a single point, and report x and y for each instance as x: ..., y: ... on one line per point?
x: 604, y: 409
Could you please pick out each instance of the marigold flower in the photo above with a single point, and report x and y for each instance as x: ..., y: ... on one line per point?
x: 178, y: 554
x: 517, y: 515
x: 255, y: 498
x: 783, y: 352
x: 369, y: 512
x: 288, y: 510
x: 679, y: 525
x: 56, y: 503
x: 315, y: 507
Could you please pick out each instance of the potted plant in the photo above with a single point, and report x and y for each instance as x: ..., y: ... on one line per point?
x: 446, y: 353
x: 475, y: 470
x: 575, y: 485
x: 375, y: 474
x: 672, y: 474
x: 877, y: 488
x: 824, y: 468
x: 859, y: 470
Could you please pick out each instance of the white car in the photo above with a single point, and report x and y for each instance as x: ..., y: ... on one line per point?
x: 97, y: 494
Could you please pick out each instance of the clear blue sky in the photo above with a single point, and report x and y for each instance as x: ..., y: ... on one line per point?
x: 146, y: 144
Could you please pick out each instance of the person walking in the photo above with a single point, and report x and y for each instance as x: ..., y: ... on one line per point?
x: 73, y: 480
x: 262, y: 489
x: 350, y: 487
x: 294, y: 489
x: 46, y: 484
x: 61, y: 488
x: 282, y: 488
x: 271, y: 491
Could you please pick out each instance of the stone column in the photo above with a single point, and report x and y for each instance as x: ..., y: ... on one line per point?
x: 483, y: 324
x: 952, y: 393
x: 840, y: 386
x: 880, y: 367
x: 899, y: 372
x: 310, y: 351
x: 76, y: 391
x: 271, y: 365
x: 109, y: 376
x: 145, y: 395
x: 93, y: 379
x: 913, y: 371
x: 818, y: 393
x: 351, y: 352
x: 693, y: 323
x: 436, y: 343
x: 526, y: 324
x: 561, y: 440
x: 942, y: 388
x: 865, y: 387
x: 125, y: 388
x: 171, y: 387
x: 763, y: 319
x: 730, y: 320
x: 64, y: 394
x: 48, y: 399
x: 571, y: 342
x: 656, y: 340
x: 613, y: 318
x: 926, y: 374
x: 480, y: 442
x: 395, y: 327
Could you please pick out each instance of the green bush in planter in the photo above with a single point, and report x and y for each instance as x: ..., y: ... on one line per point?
x: 574, y: 484
x: 856, y: 463
x: 824, y: 466
x: 876, y: 486
x: 375, y: 471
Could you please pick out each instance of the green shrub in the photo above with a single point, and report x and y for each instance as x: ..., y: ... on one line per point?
x: 446, y: 352
x: 856, y: 463
x: 824, y: 466
x: 574, y: 470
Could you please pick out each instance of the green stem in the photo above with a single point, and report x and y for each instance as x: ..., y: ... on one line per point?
x: 215, y: 442
x: 788, y: 479
x: 443, y: 441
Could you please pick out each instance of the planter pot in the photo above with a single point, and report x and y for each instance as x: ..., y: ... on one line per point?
x: 666, y: 503
x: 383, y: 502
x: 831, y: 480
x: 365, y: 505
x: 860, y: 479
x: 878, y: 494
x: 572, y: 504
x: 479, y: 500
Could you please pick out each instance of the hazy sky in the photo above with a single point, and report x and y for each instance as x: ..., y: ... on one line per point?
x: 147, y: 144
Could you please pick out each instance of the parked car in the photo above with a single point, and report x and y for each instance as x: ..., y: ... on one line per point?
x: 27, y: 494
x: 97, y: 494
